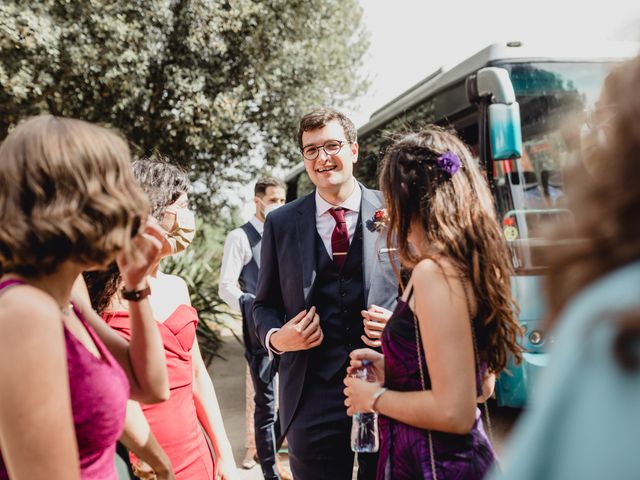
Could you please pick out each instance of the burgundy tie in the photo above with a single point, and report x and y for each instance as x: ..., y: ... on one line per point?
x: 339, y: 237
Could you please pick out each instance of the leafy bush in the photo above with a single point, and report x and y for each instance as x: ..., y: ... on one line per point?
x: 212, y: 84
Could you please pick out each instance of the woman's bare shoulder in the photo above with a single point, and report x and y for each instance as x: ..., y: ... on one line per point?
x: 30, y: 320
x: 27, y: 306
x: 434, y: 270
x: 437, y: 283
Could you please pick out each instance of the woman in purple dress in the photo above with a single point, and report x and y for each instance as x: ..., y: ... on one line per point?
x: 455, y: 323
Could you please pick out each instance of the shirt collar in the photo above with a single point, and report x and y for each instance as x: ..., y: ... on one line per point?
x: 351, y: 203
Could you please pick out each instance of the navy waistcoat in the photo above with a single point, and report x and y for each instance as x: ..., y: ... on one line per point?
x: 248, y: 281
x: 338, y: 295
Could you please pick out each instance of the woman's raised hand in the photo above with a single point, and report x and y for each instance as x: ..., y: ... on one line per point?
x: 144, y: 254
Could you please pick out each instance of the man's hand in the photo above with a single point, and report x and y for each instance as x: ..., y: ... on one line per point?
x: 302, y: 332
x: 143, y: 471
x: 374, y: 321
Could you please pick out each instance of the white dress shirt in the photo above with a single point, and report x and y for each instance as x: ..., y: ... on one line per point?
x: 237, y: 253
x: 325, y: 224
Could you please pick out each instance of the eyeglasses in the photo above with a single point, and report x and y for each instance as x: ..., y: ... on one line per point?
x: 330, y: 147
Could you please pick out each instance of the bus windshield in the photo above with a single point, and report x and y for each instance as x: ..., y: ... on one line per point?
x: 553, y: 99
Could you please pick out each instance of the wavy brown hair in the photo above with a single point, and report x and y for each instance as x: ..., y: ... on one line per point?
x: 457, y: 215
x: 319, y: 118
x: 604, y: 198
x: 67, y: 193
x: 102, y: 286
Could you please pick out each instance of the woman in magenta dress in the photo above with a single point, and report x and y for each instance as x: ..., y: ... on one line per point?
x: 192, y: 407
x: 69, y: 202
x: 455, y: 322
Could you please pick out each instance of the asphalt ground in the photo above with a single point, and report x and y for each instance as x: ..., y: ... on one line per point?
x: 228, y: 375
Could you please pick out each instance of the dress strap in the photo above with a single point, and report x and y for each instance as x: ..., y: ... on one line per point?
x: 409, y: 294
x: 10, y: 282
x: 102, y: 348
x: 434, y: 475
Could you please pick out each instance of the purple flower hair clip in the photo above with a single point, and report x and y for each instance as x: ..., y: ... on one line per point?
x: 449, y: 162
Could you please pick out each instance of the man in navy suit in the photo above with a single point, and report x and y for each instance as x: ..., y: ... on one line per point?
x: 324, y: 261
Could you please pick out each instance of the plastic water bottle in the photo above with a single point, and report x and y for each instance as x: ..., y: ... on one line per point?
x: 364, y: 426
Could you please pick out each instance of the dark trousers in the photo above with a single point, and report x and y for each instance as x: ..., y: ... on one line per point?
x: 266, y: 421
x: 123, y: 453
x: 320, y: 432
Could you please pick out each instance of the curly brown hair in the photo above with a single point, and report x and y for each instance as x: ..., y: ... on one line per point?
x: 604, y: 198
x: 457, y: 215
x: 162, y: 181
x: 67, y: 193
x: 319, y: 117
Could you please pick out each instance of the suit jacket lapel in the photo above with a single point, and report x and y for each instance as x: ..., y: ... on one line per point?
x: 369, y: 204
x: 306, y: 230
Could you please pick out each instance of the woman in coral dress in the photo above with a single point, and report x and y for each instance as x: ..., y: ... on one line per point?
x: 189, y: 425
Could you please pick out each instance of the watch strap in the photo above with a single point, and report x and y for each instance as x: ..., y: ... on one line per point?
x: 136, y: 295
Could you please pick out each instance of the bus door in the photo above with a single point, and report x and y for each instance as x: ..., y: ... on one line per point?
x: 501, y: 151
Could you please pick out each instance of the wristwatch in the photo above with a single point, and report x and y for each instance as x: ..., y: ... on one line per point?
x: 135, y: 295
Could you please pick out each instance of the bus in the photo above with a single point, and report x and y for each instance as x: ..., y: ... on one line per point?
x: 519, y: 107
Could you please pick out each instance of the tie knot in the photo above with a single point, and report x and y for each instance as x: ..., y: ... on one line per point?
x: 338, y: 214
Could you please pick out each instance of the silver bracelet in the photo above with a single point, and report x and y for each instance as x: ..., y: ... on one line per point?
x: 376, y: 396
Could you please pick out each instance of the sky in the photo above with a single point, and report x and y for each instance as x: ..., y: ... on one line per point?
x: 412, y: 38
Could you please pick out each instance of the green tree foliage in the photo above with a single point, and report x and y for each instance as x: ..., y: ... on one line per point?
x: 213, y: 84
x: 217, y: 86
